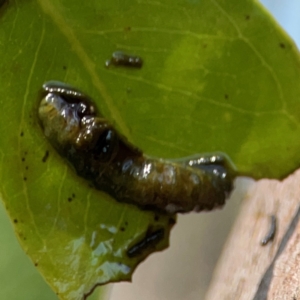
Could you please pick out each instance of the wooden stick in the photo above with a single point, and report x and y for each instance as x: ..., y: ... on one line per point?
x: 248, y: 270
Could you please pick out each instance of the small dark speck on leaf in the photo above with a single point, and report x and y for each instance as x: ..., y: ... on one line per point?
x: 122, y: 229
x: 25, y: 178
x: 22, y: 133
x: 46, y: 155
x: 282, y: 45
x: 128, y: 28
x: 36, y: 264
x: 73, y: 195
x: 26, y: 168
x: 22, y: 236
x: 247, y: 17
x: 15, y: 221
x: 65, y: 67
x: 226, y: 96
x: 23, y: 159
x: 69, y: 199
x: 126, y: 223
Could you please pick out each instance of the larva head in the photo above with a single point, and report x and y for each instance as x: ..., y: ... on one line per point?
x: 61, y: 111
x: 80, y: 104
x: 70, y: 121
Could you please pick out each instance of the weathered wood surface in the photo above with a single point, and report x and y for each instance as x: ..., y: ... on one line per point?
x: 248, y: 270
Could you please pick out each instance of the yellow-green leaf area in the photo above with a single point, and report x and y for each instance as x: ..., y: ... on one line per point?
x: 217, y: 76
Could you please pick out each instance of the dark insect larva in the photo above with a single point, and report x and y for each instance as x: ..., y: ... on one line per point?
x: 150, y: 240
x: 271, y: 233
x: 119, y: 58
x: 102, y: 156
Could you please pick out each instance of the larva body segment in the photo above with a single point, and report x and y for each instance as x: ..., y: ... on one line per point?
x: 169, y: 186
x: 105, y: 158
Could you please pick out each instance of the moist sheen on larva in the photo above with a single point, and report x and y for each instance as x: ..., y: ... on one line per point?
x: 75, y: 128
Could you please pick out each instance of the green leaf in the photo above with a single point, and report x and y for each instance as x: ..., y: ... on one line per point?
x: 76, y: 236
x: 217, y: 76
x: 19, y: 278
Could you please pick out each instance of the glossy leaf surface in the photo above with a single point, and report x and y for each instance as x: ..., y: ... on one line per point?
x: 217, y: 76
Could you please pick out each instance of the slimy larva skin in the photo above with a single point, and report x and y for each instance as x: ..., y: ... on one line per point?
x: 98, y: 153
